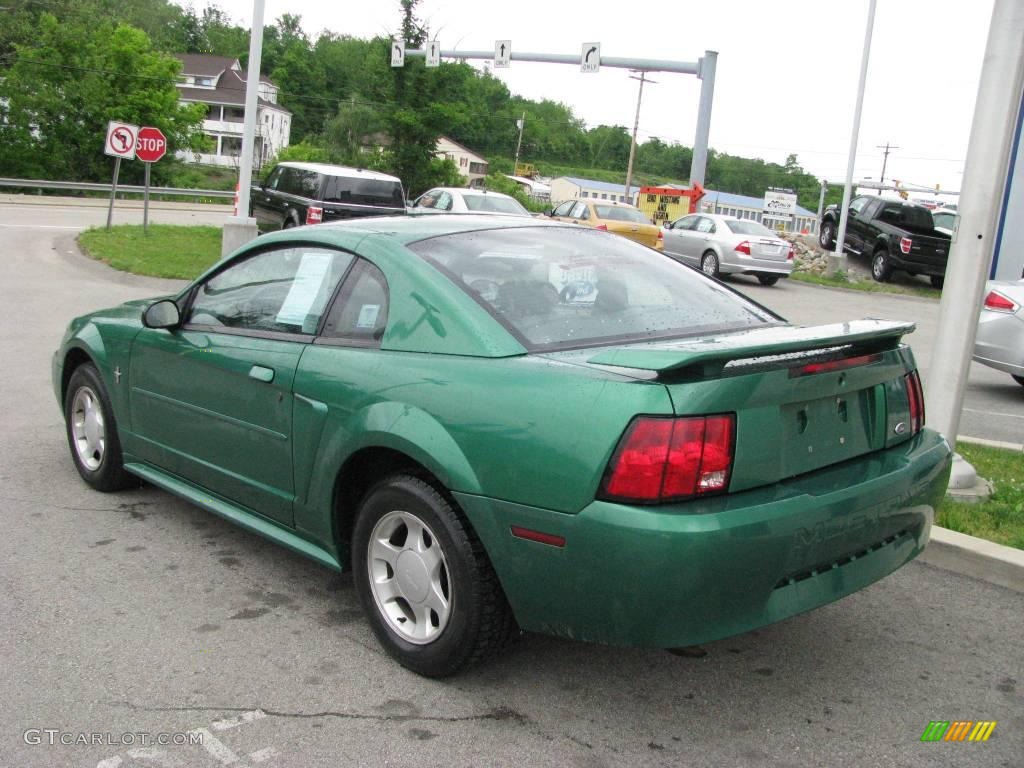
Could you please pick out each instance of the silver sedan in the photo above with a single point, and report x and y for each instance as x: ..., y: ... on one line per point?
x: 1000, y: 340
x: 723, y: 245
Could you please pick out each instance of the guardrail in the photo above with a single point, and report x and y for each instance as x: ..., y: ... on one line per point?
x: 88, y: 186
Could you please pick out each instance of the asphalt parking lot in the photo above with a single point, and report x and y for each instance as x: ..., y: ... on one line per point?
x: 135, y: 613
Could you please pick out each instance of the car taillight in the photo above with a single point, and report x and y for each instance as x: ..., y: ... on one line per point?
x: 661, y: 234
x: 905, y: 243
x: 602, y: 226
x: 660, y: 459
x: 999, y: 303
x: 743, y: 247
x: 791, y: 254
x: 915, y: 399
x: 314, y: 215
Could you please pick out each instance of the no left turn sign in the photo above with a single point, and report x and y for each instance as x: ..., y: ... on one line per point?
x: 121, y: 139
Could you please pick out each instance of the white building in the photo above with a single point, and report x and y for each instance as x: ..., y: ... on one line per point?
x: 472, y: 166
x: 747, y: 207
x: 219, y: 83
x: 569, y: 187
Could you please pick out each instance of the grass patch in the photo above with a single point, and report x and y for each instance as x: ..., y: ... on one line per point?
x: 841, y: 280
x: 167, y: 251
x: 1001, y: 518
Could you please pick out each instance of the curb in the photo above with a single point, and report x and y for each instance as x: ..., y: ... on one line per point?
x: 974, y: 557
x: 990, y: 443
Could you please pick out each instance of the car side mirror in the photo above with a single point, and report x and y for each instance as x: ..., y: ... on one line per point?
x: 162, y: 314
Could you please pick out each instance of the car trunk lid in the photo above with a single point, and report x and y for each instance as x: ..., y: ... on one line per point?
x: 769, y: 248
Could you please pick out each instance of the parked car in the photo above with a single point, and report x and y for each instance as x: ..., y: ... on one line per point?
x: 727, y: 245
x: 495, y: 421
x: 610, y: 215
x: 999, y: 343
x: 458, y: 200
x: 945, y: 220
x: 895, y: 234
x: 310, y: 193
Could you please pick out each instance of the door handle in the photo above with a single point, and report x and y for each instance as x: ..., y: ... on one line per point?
x: 261, y: 373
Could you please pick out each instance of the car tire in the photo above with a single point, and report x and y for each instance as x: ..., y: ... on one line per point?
x: 92, y: 432
x: 709, y: 264
x: 428, y: 588
x: 768, y: 279
x: 937, y: 281
x: 827, y: 235
x: 1018, y: 379
x: 881, y: 269
x: 289, y: 223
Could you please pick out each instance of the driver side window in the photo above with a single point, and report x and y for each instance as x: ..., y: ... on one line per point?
x: 858, y: 204
x: 686, y: 223
x: 282, y: 291
x: 563, y: 209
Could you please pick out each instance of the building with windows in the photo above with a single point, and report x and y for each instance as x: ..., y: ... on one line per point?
x: 472, y: 166
x: 570, y: 187
x: 747, y: 207
x: 218, y: 82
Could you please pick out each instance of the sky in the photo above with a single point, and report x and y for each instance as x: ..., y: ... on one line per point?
x: 786, y: 80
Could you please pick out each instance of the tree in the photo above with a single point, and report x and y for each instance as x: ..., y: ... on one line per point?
x: 62, y: 89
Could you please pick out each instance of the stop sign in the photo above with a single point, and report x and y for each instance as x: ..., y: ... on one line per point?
x: 151, y: 144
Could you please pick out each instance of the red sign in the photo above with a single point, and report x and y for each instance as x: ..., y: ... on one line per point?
x: 151, y: 145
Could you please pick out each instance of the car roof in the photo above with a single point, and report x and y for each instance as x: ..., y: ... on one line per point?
x: 340, y: 170
x: 472, y: 192
x: 420, y: 226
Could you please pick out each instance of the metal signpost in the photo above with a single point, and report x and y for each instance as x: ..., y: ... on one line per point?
x: 591, y: 59
x: 120, y: 144
x: 150, y: 147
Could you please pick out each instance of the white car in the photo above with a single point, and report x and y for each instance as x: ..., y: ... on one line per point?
x: 945, y: 220
x: 457, y: 200
x: 1000, y: 340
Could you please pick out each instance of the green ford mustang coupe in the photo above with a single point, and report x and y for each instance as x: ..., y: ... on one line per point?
x: 502, y: 423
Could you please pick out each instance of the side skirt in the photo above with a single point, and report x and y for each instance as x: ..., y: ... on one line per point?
x: 237, y: 515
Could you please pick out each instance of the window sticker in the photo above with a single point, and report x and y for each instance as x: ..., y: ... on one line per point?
x: 368, y: 316
x: 309, y: 279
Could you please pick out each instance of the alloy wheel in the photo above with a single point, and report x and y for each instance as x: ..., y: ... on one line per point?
x: 88, y: 429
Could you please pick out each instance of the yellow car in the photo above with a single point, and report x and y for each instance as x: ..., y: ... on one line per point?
x: 620, y: 218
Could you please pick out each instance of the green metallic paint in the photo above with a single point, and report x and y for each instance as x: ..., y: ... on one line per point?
x: 524, y: 439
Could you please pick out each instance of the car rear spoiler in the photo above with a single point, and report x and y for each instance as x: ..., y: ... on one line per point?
x: 708, y: 357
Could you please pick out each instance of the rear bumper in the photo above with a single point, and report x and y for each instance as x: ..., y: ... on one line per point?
x: 739, y: 264
x: 692, y: 573
x: 999, y: 343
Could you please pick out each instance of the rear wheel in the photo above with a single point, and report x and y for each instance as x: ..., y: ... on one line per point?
x: 92, y: 432
x: 709, y: 264
x: 827, y: 235
x: 937, y: 281
x: 768, y: 279
x: 431, y: 595
x: 881, y: 269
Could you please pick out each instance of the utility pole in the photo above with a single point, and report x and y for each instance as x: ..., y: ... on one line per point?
x: 885, y: 160
x: 519, y: 143
x: 636, y: 124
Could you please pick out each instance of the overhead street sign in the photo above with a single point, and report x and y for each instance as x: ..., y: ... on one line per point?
x: 502, y: 53
x: 433, y: 54
x: 398, y: 53
x: 121, y: 139
x: 151, y: 144
x: 590, y: 57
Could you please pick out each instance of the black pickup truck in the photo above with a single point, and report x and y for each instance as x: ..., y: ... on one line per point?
x: 896, y: 235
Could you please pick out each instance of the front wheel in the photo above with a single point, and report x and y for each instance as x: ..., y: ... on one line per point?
x: 92, y: 432
x: 429, y: 591
x: 709, y: 264
x: 827, y: 235
x: 881, y: 269
x: 768, y: 279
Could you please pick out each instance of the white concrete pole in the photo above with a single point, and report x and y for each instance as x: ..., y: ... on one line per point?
x: 985, y: 175
x: 632, y: 142
x: 837, y: 260
x: 706, y: 73
x: 240, y: 229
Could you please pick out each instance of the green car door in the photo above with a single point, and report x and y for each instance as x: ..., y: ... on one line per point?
x: 212, y: 400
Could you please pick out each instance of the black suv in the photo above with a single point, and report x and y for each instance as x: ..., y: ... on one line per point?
x: 308, y: 193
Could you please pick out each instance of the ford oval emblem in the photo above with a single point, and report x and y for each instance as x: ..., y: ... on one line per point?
x: 900, y: 428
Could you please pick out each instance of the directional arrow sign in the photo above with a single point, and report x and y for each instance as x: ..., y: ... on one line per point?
x: 590, y: 57
x: 502, y: 53
x: 433, y: 54
x: 398, y: 53
x: 121, y: 138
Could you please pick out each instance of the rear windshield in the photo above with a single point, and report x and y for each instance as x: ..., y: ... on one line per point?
x: 620, y: 213
x: 345, y: 189
x: 556, y: 287
x: 494, y: 204
x: 747, y: 227
x: 909, y: 216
